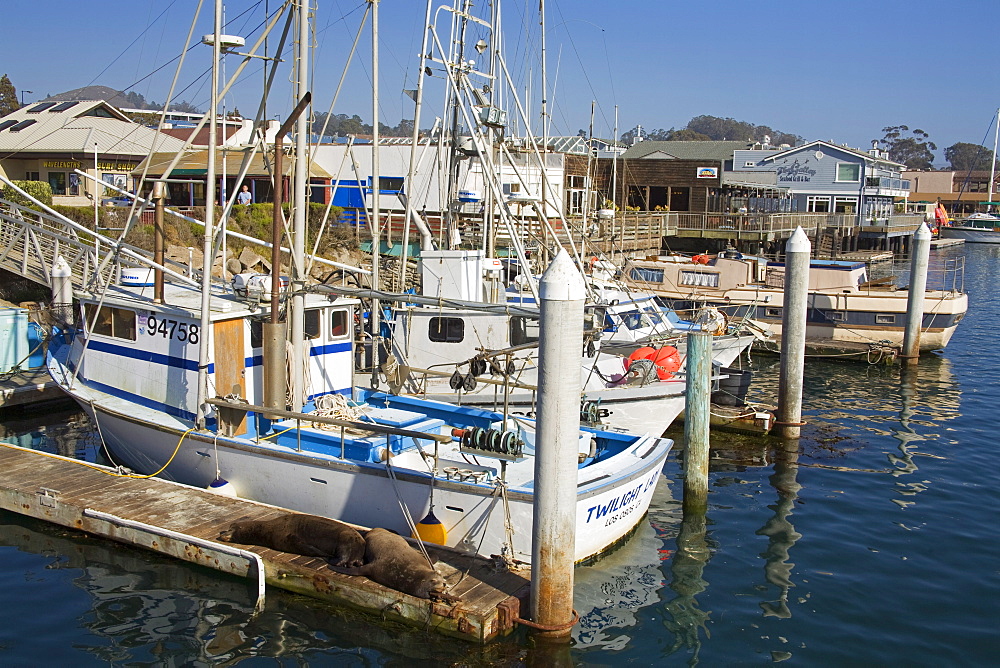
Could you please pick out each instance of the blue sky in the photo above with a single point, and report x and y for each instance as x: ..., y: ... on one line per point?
x: 838, y: 70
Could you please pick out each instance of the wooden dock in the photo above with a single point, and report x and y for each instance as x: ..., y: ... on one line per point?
x: 185, y: 522
x: 28, y: 388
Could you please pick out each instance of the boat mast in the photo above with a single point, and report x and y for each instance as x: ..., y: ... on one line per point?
x: 207, y: 260
x: 543, y: 212
x: 376, y: 195
x: 993, y: 162
x: 300, y: 207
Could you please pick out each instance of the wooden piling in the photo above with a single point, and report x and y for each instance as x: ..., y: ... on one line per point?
x: 697, y: 414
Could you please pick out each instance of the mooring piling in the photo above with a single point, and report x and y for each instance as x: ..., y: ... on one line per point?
x: 562, y: 293
x: 697, y: 416
x: 793, y: 334
x: 915, y: 293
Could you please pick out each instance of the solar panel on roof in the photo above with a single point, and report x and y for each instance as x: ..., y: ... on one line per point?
x: 23, y: 124
x: 6, y: 124
x: 41, y: 107
x: 63, y: 106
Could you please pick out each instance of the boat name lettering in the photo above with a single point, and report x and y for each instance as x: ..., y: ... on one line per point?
x: 620, y: 502
x: 170, y: 329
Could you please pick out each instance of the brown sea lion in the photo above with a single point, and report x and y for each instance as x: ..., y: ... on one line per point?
x: 392, y: 562
x: 302, y: 534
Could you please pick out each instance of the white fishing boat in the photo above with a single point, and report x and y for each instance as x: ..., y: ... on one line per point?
x: 187, y: 381
x: 845, y: 308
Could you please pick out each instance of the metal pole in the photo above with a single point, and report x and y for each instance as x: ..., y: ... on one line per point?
x: 300, y: 205
x: 376, y: 219
x: 915, y: 293
x: 553, y: 545
x: 159, y: 197
x: 793, y: 334
x: 697, y: 414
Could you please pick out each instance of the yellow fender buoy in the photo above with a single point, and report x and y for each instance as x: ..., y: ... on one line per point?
x: 430, y: 530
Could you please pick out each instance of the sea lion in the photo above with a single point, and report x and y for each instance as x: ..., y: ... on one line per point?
x: 296, y: 533
x: 392, y: 562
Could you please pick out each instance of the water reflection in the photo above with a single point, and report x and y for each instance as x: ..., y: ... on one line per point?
x: 781, y: 534
x: 685, y: 619
x: 609, y: 593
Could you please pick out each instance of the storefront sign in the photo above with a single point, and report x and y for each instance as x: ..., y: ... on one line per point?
x: 796, y: 172
x: 101, y: 166
x: 61, y: 164
x: 708, y: 172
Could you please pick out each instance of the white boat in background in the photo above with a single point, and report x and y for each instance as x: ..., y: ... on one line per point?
x: 845, y: 309
x: 978, y: 228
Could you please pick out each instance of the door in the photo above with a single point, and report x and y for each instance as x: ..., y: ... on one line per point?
x: 230, y: 365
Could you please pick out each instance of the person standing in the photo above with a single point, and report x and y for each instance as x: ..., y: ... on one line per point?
x: 244, y: 197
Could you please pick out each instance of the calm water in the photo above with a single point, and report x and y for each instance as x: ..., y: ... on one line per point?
x: 872, y: 541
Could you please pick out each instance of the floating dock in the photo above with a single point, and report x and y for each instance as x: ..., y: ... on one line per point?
x: 184, y: 522
x: 27, y: 388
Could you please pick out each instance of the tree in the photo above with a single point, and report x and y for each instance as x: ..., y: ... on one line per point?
x: 913, y: 151
x: 964, y: 157
x: 687, y: 135
x: 8, y: 96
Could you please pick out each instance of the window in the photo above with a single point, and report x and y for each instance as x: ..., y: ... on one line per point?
x: 446, y: 330
x: 772, y: 312
x: 523, y: 330
x: 57, y: 181
x: 818, y: 204
x: 31, y: 176
x: 749, y: 163
x: 23, y: 124
x: 63, y: 106
x: 100, y: 112
x: 845, y: 205
x: 881, y: 319
x: 701, y: 278
x: 41, y: 107
x: 646, y: 274
x: 256, y: 333
x: 511, y: 188
x: 116, y: 322
x: 836, y: 316
x: 848, y: 171
x: 6, y: 124
x: 339, y: 324
x: 311, y: 324
x: 390, y: 184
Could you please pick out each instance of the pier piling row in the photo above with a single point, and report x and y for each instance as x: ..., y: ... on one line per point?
x: 184, y: 522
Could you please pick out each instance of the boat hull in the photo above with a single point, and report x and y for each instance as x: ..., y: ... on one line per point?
x: 971, y: 235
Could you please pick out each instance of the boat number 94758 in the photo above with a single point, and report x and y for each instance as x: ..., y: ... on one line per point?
x: 171, y: 329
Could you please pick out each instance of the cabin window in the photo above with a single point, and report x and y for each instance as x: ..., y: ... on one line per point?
x: 772, y: 312
x: 700, y: 278
x: 885, y: 319
x: 116, y: 322
x: 849, y: 171
x: 390, y: 185
x: 339, y: 324
x: 646, y: 274
x: 523, y: 330
x: 446, y: 330
x: 836, y: 316
x: 311, y: 324
x: 256, y: 334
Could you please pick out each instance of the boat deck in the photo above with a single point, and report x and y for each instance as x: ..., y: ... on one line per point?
x: 185, y: 522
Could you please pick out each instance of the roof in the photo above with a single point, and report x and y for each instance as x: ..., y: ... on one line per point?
x: 685, y: 150
x: 819, y: 142
x: 195, y: 163
x: 75, y: 127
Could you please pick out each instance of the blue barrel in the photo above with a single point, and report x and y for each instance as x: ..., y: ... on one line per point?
x: 13, y: 338
x: 36, y: 347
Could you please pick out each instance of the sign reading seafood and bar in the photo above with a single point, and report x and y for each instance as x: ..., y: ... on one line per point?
x: 797, y: 171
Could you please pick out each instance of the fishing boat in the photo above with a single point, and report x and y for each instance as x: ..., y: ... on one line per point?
x: 846, y: 310
x: 246, y: 387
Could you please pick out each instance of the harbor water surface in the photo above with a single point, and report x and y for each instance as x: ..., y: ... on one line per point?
x: 870, y: 541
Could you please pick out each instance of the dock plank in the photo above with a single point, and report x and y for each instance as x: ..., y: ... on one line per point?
x: 482, y: 614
